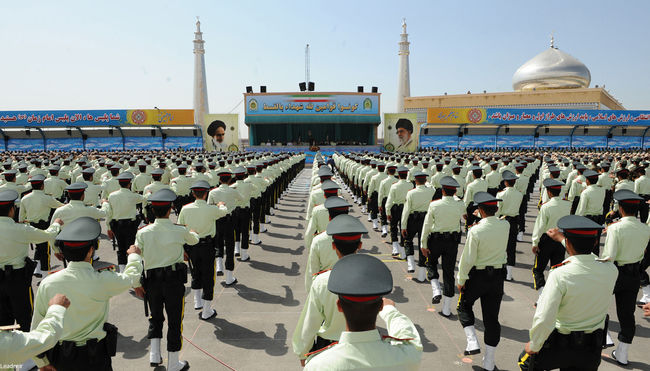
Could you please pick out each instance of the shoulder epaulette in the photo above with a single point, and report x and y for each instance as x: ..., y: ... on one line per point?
x: 321, y: 349
x: 561, y: 264
x: 384, y: 337
x: 316, y: 274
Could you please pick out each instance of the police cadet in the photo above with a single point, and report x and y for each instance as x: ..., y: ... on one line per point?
x: 36, y: 208
x: 382, y: 196
x: 88, y: 341
x: 373, y: 194
x: 360, y: 300
x: 225, y: 238
x: 201, y: 217
x: 509, y: 208
x: 11, y: 185
x: 481, y: 272
x: 181, y: 186
x: 440, y: 238
x: 567, y: 330
x: 320, y: 323
x: 155, y: 185
x: 242, y: 213
x: 591, y: 201
x: 394, y: 207
x: 55, y: 185
x: 93, y: 191
x: 321, y: 256
x: 122, y: 217
x: 18, y: 346
x: 16, y: 268
x: 477, y: 184
x: 259, y: 185
x: 625, y: 244
x: 320, y: 215
x: 165, y: 277
x: 415, y: 209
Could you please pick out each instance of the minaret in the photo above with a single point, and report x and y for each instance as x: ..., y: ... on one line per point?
x: 200, y: 85
x: 403, y: 83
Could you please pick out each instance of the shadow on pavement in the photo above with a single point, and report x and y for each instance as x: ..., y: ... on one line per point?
x: 272, y: 268
x: 255, y: 295
x: 130, y: 348
x: 427, y: 345
x: 285, y: 250
x: 242, y: 337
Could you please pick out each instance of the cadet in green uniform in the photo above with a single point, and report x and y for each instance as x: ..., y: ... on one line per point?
x: 545, y: 249
x: 382, y: 196
x: 509, y: 208
x: 360, y: 300
x: 625, y: 244
x: 88, y: 341
x: 242, y: 213
x: 440, y: 237
x: 35, y: 210
x: 321, y: 255
x: 181, y: 186
x: 591, y: 201
x: 202, y: 218
x: 394, y: 209
x: 165, y: 277
x: 481, y: 272
x: 320, y: 322
x: 320, y: 215
x: 122, y: 217
x: 478, y: 184
x: 567, y: 330
x: 17, y: 346
x: 415, y: 209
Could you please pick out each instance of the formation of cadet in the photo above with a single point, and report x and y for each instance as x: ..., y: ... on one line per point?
x: 58, y: 198
x: 223, y: 203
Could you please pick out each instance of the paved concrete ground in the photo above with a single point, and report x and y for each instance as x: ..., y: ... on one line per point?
x: 256, y: 318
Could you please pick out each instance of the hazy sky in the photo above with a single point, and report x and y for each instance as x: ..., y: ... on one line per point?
x: 138, y: 54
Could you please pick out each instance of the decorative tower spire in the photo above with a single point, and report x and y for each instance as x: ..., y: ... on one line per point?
x: 552, y: 41
x: 403, y: 83
x: 200, y: 85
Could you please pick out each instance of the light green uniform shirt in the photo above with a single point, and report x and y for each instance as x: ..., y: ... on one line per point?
x: 122, y: 205
x: 548, y: 215
x: 36, y: 206
x: 384, y: 187
x: 642, y: 185
x: 181, y: 185
x: 320, y: 217
x: 162, y: 243
x: 417, y: 200
x: 141, y: 181
x: 625, y: 241
x: 493, y: 179
x: 316, y: 197
x: 624, y: 184
x: 477, y: 185
x: 397, y: 194
x: 16, y: 238
x: 153, y: 188
x: 201, y: 217
x: 89, y: 293
x: 576, y: 298
x: 367, y: 350
x: 225, y: 193
x: 511, y: 201
x: 319, y: 317
x: 591, y: 201
x: 321, y: 256
x: 54, y: 186
x: 485, y: 247
x: 76, y: 209
x: 443, y: 215
x: 16, y: 346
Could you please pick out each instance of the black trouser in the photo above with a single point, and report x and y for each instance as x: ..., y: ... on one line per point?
x: 598, y: 219
x: 521, y: 218
x: 511, y: 248
x: 625, y: 293
x: 42, y: 252
x: 255, y: 214
x: 202, y: 257
x: 574, y: 204
x: 471, y: 218
x: 549, y: 250
x: 181, y: 201
x: 263, y: 207
x: 382, y: 214
x: 607, y: 203
x: 320, y: 343
x: 443, y: 245
x: 166, y: 290
x: 125, y: 231
x: 493, y: 191
x: 242, y: 223
x: 395, y: 222
x: 574, y: 351
x: 487, y: 285
x: 16, y: 297
x: 92, y: 356
x: 643, y: 266
x: 373, y: 205
x: 225, y: 241
x: 414, y: 226
x: 643, y: 209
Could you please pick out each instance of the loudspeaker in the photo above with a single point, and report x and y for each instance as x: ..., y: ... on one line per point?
x: 110, y: 131
x: 507, y: 129
x: 536, y: 134
x: 609, y: 136
x: 302, y: 86
x: 465, y: 130
x: 586, y: 131
x: 195, y: 132
x: 84, y: 137
x: 624, y: 131
x: 359, y: 89
x: 375, y: 89
x: 311, y: 86
x: 460, y: 135
x: 263, y: 89
x: 546, y: 130
x: 69, y: 131
x: 164, y: 136
x: 28, y: 133
x: 153, y: 132
x: 249, y: 89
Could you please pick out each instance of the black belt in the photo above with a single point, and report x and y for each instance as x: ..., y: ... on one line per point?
x: 419, y: 213
x: 577, y: 339
x: 169, y: 268
x: 512, y: 218
x: 490, y: 268
x: 444, y: 235
x: 205, y: 240
x: 632, y: 268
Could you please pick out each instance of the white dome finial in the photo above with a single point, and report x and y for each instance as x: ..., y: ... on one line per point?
x: 198, y: 24
x: 404, y: 25
x: 552, y: 41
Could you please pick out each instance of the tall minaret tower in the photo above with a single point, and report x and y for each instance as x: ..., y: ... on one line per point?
x: 403, y: 83
x: 200, y: 86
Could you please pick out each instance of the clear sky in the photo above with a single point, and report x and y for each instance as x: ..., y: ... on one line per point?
x: 138, y: 54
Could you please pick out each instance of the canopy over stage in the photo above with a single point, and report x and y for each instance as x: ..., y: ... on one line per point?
x: 76, y: 130
x: 553, y: 128
x: 309, y: 118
